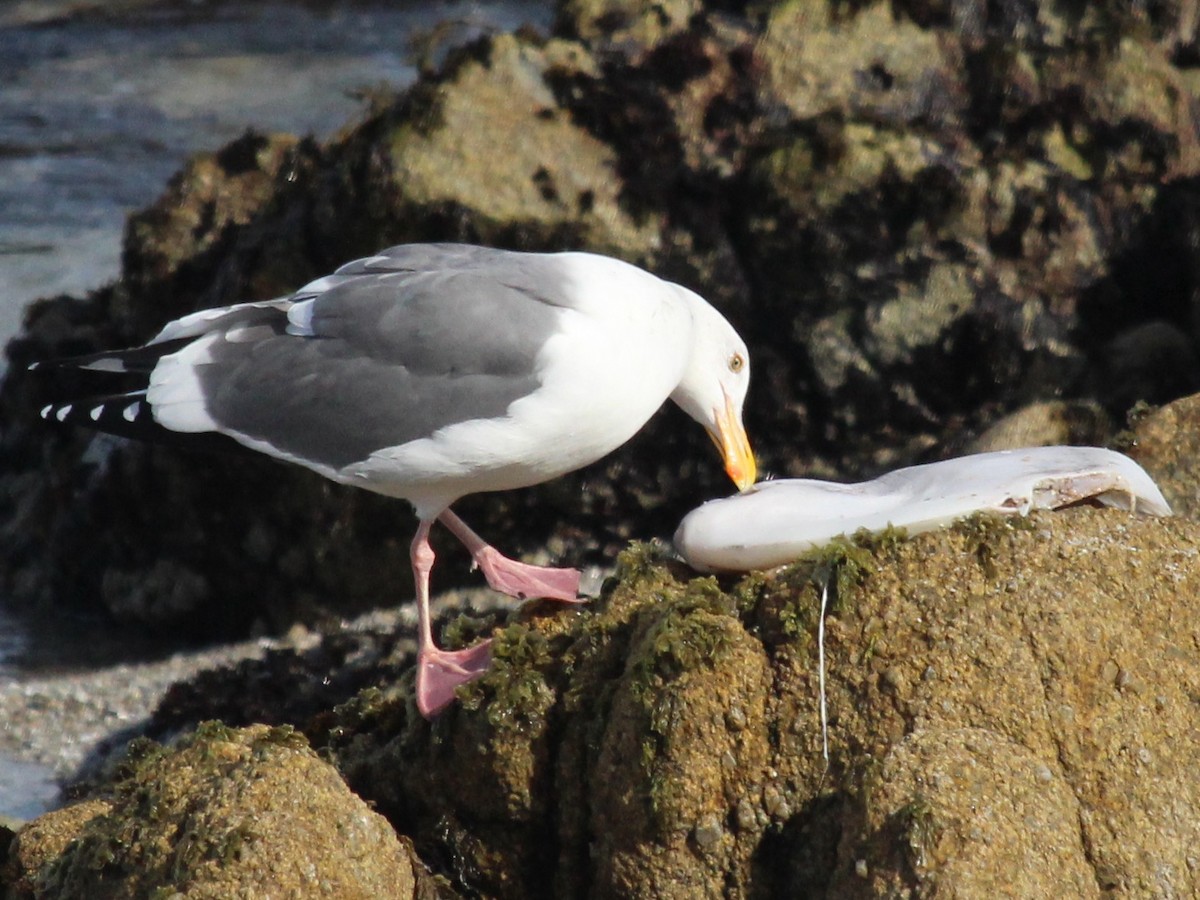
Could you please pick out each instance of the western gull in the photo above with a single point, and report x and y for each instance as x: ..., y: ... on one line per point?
x: 430, y: 371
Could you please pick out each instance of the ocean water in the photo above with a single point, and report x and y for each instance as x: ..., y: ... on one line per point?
x: 100, y: 102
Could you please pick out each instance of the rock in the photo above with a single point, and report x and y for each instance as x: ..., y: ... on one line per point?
x: 175, y: 249
x: 965, y: 811
x: 922, y: 217
x: 42, y: 841
x: 1046, y: 424
x: 628, y: 27
x: 1006, y: 689
x: 930, y: 222
x: 554, y: 182
x: 227, y: 813
x: 1003, y: 690
x: 1166, y: 442
x: 866, y: 62
x: 912, y: 188
x: 1152, y: 363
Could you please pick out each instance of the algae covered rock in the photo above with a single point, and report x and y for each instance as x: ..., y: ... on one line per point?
x: 226, y: 814
x: 1009, y: 707
x: 1001, y: 691
x: 43, y: 840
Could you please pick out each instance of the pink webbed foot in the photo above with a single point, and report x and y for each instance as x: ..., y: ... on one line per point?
x: 518, y: 579
x: 514, y: 578
x: 440, y: 672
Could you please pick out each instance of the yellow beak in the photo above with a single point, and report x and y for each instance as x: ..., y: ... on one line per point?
x: 730, y: 438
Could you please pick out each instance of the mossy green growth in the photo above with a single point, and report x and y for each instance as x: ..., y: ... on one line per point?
x: 227, y: 812
x: 843, y: 564
x: 285, y: 736
x: 682, y: 633
x: 797, y: 614
x: 387, y: 708
x: 985, y: 532
x: 464, y: 630
x: 917, y: 824
x: 884, y: 541
x: 782, y: 607
x: 515, y: 689
x: 640, y: 561
x: 691, y: 628
x: 141, y: 751
x: 749, y: 592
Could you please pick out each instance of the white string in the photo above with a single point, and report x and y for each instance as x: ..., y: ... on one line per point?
x: 821, y: 671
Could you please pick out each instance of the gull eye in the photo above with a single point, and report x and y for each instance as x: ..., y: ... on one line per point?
x: 737, y: 362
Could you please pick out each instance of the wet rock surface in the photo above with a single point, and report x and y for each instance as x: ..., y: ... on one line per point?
x: 934, y: 225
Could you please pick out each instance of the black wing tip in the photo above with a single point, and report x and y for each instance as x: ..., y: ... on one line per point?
x: 129, y: 361
x: 131, y: 416
x: 110, y: 363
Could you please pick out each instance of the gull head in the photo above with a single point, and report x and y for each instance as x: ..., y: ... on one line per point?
x: 713, y: 388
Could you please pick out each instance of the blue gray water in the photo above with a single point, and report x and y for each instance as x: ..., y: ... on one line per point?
x: 97, y: 110
x: 101, y: 102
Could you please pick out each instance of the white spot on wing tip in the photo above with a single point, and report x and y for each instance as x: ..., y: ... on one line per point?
x: 96, y: 412
x: 45, y: 413
x: 62, y: 412
x: 130, y: 412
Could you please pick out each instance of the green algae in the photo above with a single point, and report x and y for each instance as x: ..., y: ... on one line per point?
x: 985, y: 532
x: 515, y: 692
x: 920, y: 830
x: 682, y: 633
x: 223, y: 811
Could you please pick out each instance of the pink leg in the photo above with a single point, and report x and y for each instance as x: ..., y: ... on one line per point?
x: 439, y: 672
x: 514, y: 578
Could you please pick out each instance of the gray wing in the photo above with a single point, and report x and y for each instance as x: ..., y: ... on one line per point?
x: 387, y: 350
x: 382, y: 356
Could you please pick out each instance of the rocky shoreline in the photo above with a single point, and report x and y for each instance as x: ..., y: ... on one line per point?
x: 76, y: 723
x: 69, y: 721
x: 938, y: 226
